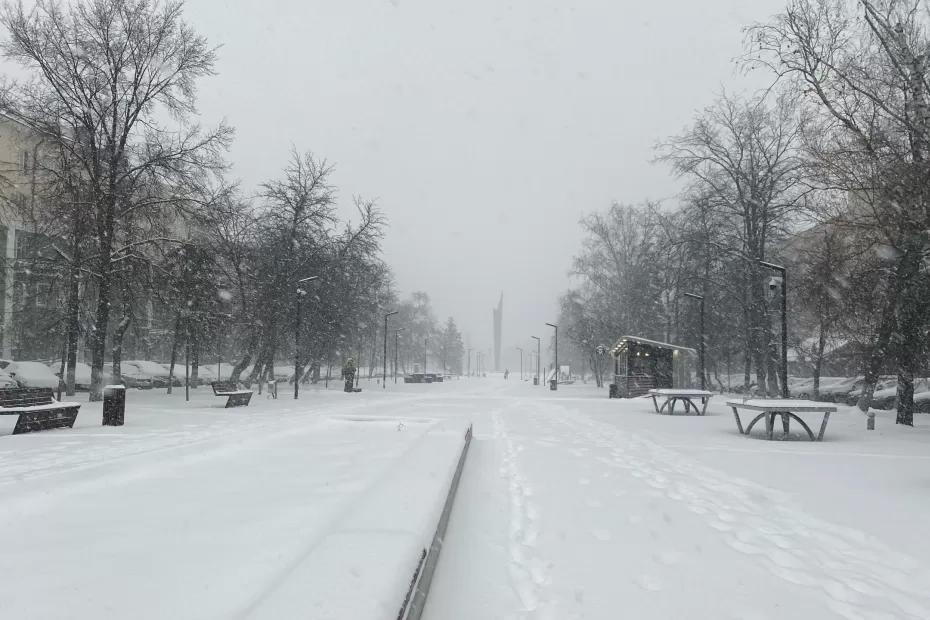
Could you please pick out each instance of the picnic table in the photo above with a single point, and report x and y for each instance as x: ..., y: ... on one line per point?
x: 787, y: 408
x: 672, y: 396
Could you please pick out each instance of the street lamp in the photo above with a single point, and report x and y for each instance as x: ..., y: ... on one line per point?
x: 384, y: 376
x: 555, y: 386
x: 397, y: 330
x: 784, y: 324
x: 536, y: 338
x: 468, y: 373
x: 300, y: 293
x: 701, y: 299
x: 521, y: 362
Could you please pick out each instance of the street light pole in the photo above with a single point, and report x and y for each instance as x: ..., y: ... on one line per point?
x: 384, y: 375
x: 521, y: 362
x: 536, y: 338
x: 396, y: 331
x: 555, y: 386
x: 701, y: 299
x: 299, y: 294
x: 468, y: 373
x: 784, y: 324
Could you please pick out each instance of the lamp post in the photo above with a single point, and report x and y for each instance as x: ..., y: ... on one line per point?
x: 784, y: 324
x: 521, y: 362
x: 300, y: 293
x: 468, y: 373
x: 555, y: 386
x: 536, y: 338
x: 397, y: 330
x: 384, y: 375
x: 700, y: 298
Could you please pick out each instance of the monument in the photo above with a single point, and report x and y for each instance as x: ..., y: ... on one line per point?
x: 497, y: 332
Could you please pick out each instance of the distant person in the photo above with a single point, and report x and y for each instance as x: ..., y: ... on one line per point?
x: 506, y: 373
x: 348, y: 373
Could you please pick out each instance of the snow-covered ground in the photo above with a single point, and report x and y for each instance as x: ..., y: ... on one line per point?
x: 319, y: 508
x: 571, y: 506
x: 576, y: 506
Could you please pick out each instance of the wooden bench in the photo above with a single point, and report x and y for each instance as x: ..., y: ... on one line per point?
x: 235, y: 397
x: 672, y: 396
x: 786, y: 408
x: 37, y: 409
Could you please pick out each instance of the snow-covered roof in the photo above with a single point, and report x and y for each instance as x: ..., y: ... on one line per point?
x: 617, y: 348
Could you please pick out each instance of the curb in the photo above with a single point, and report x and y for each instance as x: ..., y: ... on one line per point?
x: 415, y: 601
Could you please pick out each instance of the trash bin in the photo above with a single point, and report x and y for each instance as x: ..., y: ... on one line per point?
x: 613, y: 391
x: 114, y: 405
x: 553, y: 384
x: 535, y: 380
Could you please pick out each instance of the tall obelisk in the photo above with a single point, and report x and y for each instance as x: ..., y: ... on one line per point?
x: 497, y: 332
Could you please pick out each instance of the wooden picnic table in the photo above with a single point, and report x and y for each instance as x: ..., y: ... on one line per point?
x: 672, y: 396
x: 787, y: 408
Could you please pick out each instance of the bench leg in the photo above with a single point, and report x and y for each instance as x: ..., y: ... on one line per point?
x: 785, y: 420
x: 769, y: 424
x: 739, y: 423
x: 704, y: 401
x: 655, y: 403
x: 823, y: 426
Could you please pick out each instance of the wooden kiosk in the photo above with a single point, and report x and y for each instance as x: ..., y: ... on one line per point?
x: 641, y: 365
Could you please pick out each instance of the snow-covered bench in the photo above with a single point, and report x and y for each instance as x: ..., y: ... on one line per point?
x: 236, y: 397
x: 787, y: 408
x: 37, y: 409
x: 688, y: 397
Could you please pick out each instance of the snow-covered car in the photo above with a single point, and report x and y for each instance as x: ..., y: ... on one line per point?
x: 852, y: 397
x: 835, y: 389
x: 4, y: 363
x: 887, y: 397
x: 32, y: 374
x: 130, y: 376
x: 153, y: 371
x: 81, y: 374
x: 6, y: 381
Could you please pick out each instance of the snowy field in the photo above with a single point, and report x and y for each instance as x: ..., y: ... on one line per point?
x: 571, y: 506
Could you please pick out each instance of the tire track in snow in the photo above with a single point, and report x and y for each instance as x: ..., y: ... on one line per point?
x: 859, y: 576
x: 529, y: 573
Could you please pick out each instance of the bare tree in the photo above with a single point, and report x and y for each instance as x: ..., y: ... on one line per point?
x: 743, y: 155
x: 863, y: 68
x: 105, y: 72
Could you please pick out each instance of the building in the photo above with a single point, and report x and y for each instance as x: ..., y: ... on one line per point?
x: 641, y: 365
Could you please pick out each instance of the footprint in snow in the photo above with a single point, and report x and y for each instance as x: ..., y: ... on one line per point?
x: 649, y: 582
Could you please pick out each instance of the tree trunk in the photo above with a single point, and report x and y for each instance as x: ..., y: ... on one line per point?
x: 818, y: 360
x: 175, y: 343
x: 118, y: 335
x: 904, y: 272
x: 195, y: 359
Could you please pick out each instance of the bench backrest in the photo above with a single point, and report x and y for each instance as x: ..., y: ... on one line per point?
x: 25, y: 397
x: 224, y: 386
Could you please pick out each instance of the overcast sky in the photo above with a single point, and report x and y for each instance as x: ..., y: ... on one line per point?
x: 485, y: 128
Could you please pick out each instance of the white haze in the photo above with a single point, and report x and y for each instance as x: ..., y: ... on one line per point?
x: 485, y: 129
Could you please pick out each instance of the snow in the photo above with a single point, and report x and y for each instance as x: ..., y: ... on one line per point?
x: 783, y: 404
x: 32, y: 374
x: 194, y: 511
x: 571, y: 505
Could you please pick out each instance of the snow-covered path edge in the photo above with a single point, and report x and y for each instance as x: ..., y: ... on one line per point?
x: 366, y: 566
x: 423, y: 577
